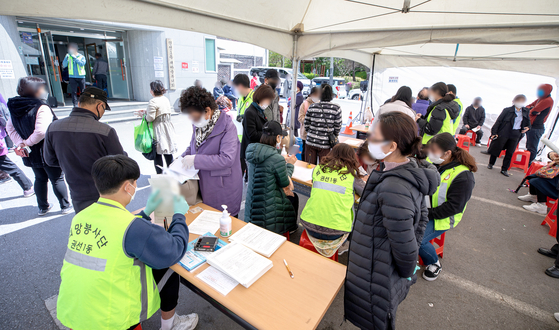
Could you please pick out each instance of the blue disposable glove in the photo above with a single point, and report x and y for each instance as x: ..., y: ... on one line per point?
x: 415, y: 270
x: 180, y: 205
x: 153, y: 202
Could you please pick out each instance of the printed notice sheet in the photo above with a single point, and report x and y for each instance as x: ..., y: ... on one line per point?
x: 217, y: 280
x: 207, y: 221
x: 302, y: 173
x: 258, y: 239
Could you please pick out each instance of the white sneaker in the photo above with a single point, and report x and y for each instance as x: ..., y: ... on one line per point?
x: 540, y: 208
x: 529, y: 198
x: 185, y: 322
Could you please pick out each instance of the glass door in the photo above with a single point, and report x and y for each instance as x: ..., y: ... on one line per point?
x: 118, y: 80
x: 53, y: 67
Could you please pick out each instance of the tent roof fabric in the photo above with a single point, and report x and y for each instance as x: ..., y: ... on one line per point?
x: 487, y: 31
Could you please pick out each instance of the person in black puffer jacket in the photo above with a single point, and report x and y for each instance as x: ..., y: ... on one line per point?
x: 389, y: 225
x: 435, y: 120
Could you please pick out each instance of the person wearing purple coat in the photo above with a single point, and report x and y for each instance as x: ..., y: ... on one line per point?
x: 422, y: 102
x: 214, y: 150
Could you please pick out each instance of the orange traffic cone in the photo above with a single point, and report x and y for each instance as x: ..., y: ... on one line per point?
x: 348, y: 130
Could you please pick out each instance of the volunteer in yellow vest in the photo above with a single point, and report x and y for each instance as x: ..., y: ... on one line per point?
x: 440, y: 114
x: 107, y: 277
x: 328, y: 215
x: 75, y: 62
x: 448, y: 203
x: 456, y: 121
x: 242, y: 86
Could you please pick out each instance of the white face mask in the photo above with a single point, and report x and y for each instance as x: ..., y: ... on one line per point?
x: 132, y: 195
x: 264, y: 106
x: 431, y: 98
x: 369, y: 162
x: 436, y: 159
x: 519, y: 104
x: 202, y: 122
x: 376, y: 150
x: 44, y: 96
x: 278, y: 145
x: 315, y: 99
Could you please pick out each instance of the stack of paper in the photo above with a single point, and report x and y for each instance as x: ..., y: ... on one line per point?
x: 217, y: 280
x: 258, y: 239
x: 240, y: 263
x: 181, y: 174
x: 207, y: 221
x: 193, y: 259
x: 302, y: 173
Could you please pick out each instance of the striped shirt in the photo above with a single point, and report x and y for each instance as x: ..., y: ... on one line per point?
x: 321, y: 119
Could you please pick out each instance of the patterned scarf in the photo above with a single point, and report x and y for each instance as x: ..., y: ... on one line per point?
x: 202, y: 133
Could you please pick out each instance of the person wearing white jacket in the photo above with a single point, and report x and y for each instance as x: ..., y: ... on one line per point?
x: 401, y: 102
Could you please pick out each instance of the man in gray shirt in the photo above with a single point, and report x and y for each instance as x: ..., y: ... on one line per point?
x: 100, y: 70
x: 273, y: 111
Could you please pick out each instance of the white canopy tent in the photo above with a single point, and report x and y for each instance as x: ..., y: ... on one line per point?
x: 514, y: 35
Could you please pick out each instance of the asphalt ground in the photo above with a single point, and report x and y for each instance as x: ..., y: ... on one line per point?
x: 492, y: 276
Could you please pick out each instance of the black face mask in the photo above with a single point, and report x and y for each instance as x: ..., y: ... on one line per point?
x: 98, y: 115
x: 273, y: 85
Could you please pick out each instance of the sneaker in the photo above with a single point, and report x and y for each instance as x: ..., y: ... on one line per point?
x: 185, y: 322
x: 556, y: 316
x: 490, y: 166
x: 5, y: 180
x: 432, y: 272
x: 485, y: 152
x: 529, y: 198
x: 67, y: 210
x: 478, y: 144
x: 29, y: 193
x: 540, y: 208
x: 44, y: 212
x: 343, y: 248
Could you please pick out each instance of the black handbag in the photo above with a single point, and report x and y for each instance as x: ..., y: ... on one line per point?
x: 332, y: 138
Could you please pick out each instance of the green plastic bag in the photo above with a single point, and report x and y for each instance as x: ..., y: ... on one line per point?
x: 143, y: 136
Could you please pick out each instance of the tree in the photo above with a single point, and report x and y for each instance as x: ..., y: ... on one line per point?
x: 275, y: 60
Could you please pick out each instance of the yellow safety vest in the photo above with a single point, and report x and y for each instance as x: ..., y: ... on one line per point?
x: 81, y: 68
x: 447, y: 127
x: 439, y: 197
x: 102, y: 287
x: 331, y: 201
x: 456, y: 122
x: 245, y: 102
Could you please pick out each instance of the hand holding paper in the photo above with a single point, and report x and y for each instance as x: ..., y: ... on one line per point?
x: 153, y: 202
x: 180, y: 204
x: 188, y: 161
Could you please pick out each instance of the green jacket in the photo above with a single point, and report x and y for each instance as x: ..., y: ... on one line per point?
x: 266, y: 204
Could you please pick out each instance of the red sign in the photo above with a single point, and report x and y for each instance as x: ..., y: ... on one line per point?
x: 184, y: 65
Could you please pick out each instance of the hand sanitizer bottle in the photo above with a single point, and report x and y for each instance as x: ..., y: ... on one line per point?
x: 225, y: 223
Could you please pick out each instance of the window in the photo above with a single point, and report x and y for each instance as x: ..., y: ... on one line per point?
x: 210, y: 56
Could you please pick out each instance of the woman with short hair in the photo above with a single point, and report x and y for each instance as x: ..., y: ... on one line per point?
x: 213, y: 150
x: 30, y: 117
x: 159, y: 113
x: 323, y: 121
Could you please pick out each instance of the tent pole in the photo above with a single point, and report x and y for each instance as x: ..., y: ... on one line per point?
x: 371, y: 82
x: 295, y: 62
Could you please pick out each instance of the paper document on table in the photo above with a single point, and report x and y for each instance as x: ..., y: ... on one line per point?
x: 302, y: 173
x: 168, y: 188
x: 258, y: 239
x: 353, y: 142
x: 207, y: 221
x: 218, y: 280
x: 241, y: 263
x: 475, y: 129
x: 181, y: 174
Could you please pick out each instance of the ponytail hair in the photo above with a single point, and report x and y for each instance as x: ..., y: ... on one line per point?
x: 442, y: 89
x: 445, y: 141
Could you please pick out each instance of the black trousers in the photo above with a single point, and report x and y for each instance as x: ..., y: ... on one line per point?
x: 295, y: 202
x: 81, y: 205
x: 542, y: 198
x: 510, y: 147
x: 555, y: 249
x: 244, y: 169
x: 15, y: 172
x: 9, y: 142
x: 74, y: 84
x: 159, y: 161
x: 479, y: 134
x: 170, y: 292
x: 42, y: 177
x: 101, y: 81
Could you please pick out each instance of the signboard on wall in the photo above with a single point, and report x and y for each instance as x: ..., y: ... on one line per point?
x: 158, y: 66
x: 393, y: 80
x: 171, y: 64
x: 184, y: 65
x: 159, y: 74
x: 7, y: 74
x: 195, y: 67
x: 6, y: 65
x: 27, y: 37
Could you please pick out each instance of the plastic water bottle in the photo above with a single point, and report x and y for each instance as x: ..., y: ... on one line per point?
x: 225, y: 227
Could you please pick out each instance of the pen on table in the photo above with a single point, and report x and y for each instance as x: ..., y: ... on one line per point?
x: 165, y: 223
x: 288, y: 269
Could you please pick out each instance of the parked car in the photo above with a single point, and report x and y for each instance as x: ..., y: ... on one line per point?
x: 283, y: 72
x: 339, y: 85
x: 354, y: 94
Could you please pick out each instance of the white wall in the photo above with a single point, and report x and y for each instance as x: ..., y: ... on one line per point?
x: 9, y: 42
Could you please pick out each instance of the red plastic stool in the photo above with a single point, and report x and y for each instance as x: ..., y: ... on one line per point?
x: 520, y: 159
x: 472, y: 136
x: 551, y: 220
x: 286, y: 234
x: 550, y: 202
x: 534, y: 167
x: 305, y: 242
x: 439, y: 241
x: 463, y: 142
x: 503, y: 152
